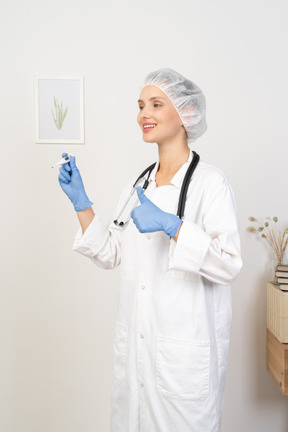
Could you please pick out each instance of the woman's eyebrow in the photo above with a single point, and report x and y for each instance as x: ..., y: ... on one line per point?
x: 152, y: 98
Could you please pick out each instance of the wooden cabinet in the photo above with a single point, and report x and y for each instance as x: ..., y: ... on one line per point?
x: 277, y: 361
x: 277, y: 336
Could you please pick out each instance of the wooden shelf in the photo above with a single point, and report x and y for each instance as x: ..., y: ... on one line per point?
x: 277, y: 361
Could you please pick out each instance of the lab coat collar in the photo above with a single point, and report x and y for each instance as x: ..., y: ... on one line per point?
x: 178, y: 178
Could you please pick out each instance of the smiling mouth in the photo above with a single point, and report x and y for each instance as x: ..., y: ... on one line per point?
x: 149, y: 126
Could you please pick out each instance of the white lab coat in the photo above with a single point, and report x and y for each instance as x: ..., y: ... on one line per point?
x: 173, y: 323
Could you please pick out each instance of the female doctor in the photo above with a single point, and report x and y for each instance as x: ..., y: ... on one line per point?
x: 173, y: 323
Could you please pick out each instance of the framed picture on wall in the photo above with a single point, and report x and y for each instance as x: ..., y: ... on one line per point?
x: 59, y: 110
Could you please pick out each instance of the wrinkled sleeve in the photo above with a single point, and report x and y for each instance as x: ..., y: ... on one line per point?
x: 101, y: 243
x: 213, y: 249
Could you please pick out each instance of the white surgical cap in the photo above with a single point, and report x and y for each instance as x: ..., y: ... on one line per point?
x: 186, y: 97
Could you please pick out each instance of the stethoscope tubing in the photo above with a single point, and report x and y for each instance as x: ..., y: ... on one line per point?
x: 123, y: 207
x: 183, y: 191
x: 144, y: 187
x: 185, y: 184
x: 149, y: 169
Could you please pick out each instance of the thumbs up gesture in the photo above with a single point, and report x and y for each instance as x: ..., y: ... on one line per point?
x: 150, y: 218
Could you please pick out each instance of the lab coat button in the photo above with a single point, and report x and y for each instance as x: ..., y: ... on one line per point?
x: 148, y: 236
x: 142, y: 336
x: 143, y: 287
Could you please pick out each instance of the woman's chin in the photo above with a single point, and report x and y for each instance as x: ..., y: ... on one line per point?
x: 148, y: 139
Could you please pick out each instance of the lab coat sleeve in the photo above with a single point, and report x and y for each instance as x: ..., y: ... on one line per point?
x: 213, y: 249
x: 100, y: 243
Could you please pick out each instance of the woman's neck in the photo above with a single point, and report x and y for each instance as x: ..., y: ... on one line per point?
x: 171, y: 159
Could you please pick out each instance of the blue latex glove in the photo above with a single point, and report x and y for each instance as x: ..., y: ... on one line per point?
x: 150, y: 218
x: 71, y: 182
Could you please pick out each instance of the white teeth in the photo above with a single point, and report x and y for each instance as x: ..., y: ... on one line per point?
x: 149, y: 126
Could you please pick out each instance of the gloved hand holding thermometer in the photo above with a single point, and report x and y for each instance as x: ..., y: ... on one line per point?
x: 71, y: 182
x: 150, y: 218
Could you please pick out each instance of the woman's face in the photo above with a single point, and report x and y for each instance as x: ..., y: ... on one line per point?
x: 158, y: 118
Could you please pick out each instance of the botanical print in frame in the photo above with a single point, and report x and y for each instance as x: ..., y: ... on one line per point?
x: 59, y: 110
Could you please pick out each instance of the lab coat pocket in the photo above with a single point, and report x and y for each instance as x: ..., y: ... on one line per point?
x: 119, y: 352
x: 182, y: 368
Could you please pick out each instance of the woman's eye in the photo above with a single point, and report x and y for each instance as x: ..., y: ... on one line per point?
x: 157, y: 105
x: 140, y: 107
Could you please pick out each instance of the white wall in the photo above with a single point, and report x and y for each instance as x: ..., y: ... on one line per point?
x: 57, y: 309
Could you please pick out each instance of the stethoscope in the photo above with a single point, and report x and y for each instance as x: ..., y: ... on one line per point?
x: 182, y: 196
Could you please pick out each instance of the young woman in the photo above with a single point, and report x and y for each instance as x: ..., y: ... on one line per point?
x: 173, y: 324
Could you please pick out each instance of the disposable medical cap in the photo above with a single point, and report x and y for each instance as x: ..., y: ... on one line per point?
x: 186, y: 97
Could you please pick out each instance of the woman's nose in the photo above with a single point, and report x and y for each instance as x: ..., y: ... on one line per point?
x: 144, y: 113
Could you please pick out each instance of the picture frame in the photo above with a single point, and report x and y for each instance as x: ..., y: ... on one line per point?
x: 59, y: 109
